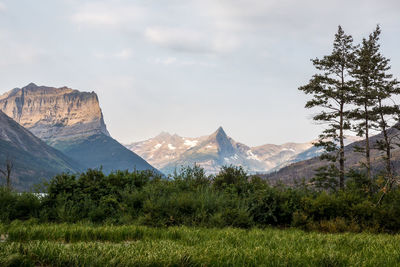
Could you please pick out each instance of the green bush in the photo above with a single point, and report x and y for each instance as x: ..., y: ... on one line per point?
x: 231, y: 198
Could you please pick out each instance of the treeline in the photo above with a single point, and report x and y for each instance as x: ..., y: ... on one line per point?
x: 354, y: 92
x: 232, y: 198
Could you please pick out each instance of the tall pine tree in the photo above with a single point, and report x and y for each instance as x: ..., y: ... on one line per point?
x: 372, y: 94
x: 330, y: 89
x: 387, y: 114
x: 386, y: 111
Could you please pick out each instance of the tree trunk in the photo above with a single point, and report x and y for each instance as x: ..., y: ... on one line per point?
x: 341, y: 137
x: 390, y: 180
x: 388, y: 152
x: 341, y: 150
x: 9, y: 167
x: 8, y: 181
x: 387, y: 143
x: 367, y: 147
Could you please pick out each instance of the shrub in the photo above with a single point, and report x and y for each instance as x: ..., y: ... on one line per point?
x: 231, y: 198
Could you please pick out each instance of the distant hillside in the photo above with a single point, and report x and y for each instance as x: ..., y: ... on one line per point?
x: 102, y: 150
x: 168, y: 152
x: 306, y: 168
x: 32, y: 158
x: 72, y: 122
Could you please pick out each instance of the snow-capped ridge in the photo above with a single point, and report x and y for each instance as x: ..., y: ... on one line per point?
x: 168, y: 152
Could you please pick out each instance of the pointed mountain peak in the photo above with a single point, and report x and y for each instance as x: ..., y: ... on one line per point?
x: 223, y: 142
x: 220, y: 132
x: 31, y: 85
x: 163, y: 135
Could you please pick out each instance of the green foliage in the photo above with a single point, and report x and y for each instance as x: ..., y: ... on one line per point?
x: 274, y: 206
x: 18, y: 206
x: 331, y: 91
x: 326, y: 178
x: 354, y: 91
x: 232, y: 198
x: 232, y: 178
x: 87, y: 245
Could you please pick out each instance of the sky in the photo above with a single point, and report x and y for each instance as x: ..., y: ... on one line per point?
x: 188, y: 66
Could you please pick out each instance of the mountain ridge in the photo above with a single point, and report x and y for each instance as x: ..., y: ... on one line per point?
x: 305, y: 169
x: 32, y: 158
x: 72, y: 122
x: 168, y: 152
x: 54, y: 114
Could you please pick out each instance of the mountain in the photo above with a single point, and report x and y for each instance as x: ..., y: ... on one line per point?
x: 168, y: 152
x: 55, y: 114
x: 32, y: 158
x: 311, y: 152
x: 72, y: 122
x: 306, y: 168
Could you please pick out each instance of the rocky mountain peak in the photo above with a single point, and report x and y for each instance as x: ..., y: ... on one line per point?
x: 31, y: 86
x: 163, y: 135
x: 222, y: 141
x: 54, y: 114
x: 220, y: 132
x: 216, y: 150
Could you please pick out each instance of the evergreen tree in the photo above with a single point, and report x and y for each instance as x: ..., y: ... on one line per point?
x: 330, y: 89
x: 373, y: 90
x: 387, y: 115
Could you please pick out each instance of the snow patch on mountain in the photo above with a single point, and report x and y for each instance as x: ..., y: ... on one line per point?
x: 213, y: 151
x: 156, y: 146
x: 250, y: 155
x: 190, y: 143
x: 171, y: 147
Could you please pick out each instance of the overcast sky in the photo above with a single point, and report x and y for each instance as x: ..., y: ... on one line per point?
x: 187, y: 66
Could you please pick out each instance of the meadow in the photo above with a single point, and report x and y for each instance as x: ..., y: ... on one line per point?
x: 231, y: 219
x: 89, y: 245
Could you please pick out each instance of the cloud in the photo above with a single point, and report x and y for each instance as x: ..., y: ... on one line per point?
x: 165, y: 61
x: 123, y: 54
x: 179, y: 62
x: 187, y: 40
x: 95, y: 18
x: 13, y: 52
x: 226, y: 26
x: 177, y: 38
x: 101, y: 14
x: 197, y: 36
x: 2, y: 6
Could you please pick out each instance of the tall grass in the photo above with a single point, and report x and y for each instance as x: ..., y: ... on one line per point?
x: 80, y: 245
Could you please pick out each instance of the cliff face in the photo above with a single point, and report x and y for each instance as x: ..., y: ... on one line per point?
x: 72, y: 122
x: 54, y: 114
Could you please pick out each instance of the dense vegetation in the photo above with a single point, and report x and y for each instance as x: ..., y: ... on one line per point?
x: 355, y: 92
x: 83, y: 245
x: 230, y: 198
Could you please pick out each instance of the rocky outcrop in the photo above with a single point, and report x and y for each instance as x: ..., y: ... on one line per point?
x: 72, y: 122
x: 54, y: 114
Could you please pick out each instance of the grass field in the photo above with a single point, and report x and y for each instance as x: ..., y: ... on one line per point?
x: 83, y: 245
